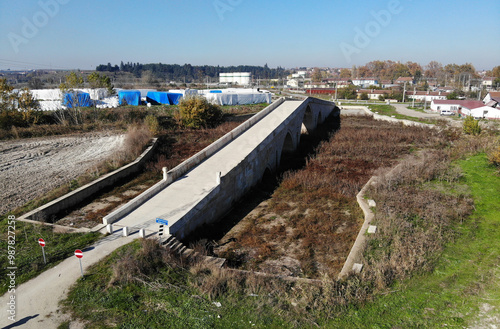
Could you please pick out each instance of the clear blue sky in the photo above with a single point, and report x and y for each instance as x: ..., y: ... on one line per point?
x: 289, y: 33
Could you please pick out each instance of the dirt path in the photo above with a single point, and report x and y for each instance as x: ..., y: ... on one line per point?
x: 31, y: 167
x: 37, y: 301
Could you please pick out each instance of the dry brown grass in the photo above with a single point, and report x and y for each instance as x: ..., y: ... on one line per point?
x: 316, y: 216
x: 413, y: 221
x: 135, y: 265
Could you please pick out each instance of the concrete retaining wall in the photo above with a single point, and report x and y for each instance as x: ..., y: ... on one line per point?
x: 358, y: 246
x: 75, y: 197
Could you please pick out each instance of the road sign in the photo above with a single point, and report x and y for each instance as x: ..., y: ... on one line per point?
x: 162, y: 221
x: 79, y: 255
x: 41, y: 242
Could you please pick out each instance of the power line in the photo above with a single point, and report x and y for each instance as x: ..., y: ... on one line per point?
x: 22, y: 64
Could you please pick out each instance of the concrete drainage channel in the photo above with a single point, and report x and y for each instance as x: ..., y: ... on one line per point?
x: 77, y: 196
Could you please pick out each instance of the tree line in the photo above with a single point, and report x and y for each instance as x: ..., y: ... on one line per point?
x: 390, y: 70
x: 191, y: 73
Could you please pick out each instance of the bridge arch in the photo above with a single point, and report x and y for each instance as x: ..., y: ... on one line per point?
x: 308, y: 122
x: 288, y: 144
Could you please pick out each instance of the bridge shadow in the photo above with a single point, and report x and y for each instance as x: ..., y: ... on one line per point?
x: 210, y: 235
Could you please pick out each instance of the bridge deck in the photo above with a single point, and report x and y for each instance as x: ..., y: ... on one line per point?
x: 179, y: 197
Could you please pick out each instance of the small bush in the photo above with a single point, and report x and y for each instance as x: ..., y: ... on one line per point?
x: 153, y: 125
x: 494, y: 157
x: 471, y: 126
x: 197, y: 112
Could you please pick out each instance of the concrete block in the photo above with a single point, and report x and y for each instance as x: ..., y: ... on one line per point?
x: 164, y: 169
x: 109, y: 228
x: 372, y: 203
x: 142, y: 233
x: 126, y: 231
x: 356, y: 268
x: 372, y: 229
x: 218, y: 177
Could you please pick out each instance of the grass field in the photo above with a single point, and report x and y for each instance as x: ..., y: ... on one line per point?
x: 463, y: 290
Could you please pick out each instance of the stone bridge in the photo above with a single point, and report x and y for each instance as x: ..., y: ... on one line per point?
x: 206, y: 186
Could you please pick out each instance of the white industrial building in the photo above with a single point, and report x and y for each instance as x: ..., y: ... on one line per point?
x: 240, y: 78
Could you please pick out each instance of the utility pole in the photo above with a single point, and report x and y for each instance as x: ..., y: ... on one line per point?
x: 404, y: 92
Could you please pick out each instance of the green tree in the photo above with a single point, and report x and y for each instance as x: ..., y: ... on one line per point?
x: 471, y: 126
x: 28, y: 106
x: 16, y: 108
x: 71, y: 100
x: 197, y: 112
x: 348, y: 92
x: 97, y: 80
x: 364, y: 97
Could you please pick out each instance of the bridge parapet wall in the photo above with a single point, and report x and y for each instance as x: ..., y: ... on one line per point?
x: 188, y: 164
x: 237, y: 181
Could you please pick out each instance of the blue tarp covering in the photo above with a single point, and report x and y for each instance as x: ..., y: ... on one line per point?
x: 130, y: 97
x: 77, y: 99
x: 216, y: 91
x: 157, y: 97
x: 174, y: 98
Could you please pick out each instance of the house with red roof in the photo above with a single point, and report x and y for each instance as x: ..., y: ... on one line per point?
x: 463, y: 107
x: 492, y: 99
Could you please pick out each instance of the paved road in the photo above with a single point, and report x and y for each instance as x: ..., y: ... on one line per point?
x: 404, y: 110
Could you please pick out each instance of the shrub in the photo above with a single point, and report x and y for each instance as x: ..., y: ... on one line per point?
x: 494, y: 157
x: 364, y: 96
x: 138, y: 136
x: 471, y: 126
x: 153, y: 125
x: 197, y: 112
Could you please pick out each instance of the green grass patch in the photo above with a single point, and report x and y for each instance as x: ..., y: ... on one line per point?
x: 465, y: 281
x: 113, y: 295
x: 390, y: 110
x: 26, y: 254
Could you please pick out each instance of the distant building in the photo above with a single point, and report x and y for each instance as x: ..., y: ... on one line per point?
x: 403, y: 80
x: 426, y: 96
x: 492, y: 99
x: 299, y: 74
x: 240, y: 78
x: 488, y: 83
x: 374, y: 94
x: 365, y: 82
x: 338, y: 82
x: 455, y: 106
